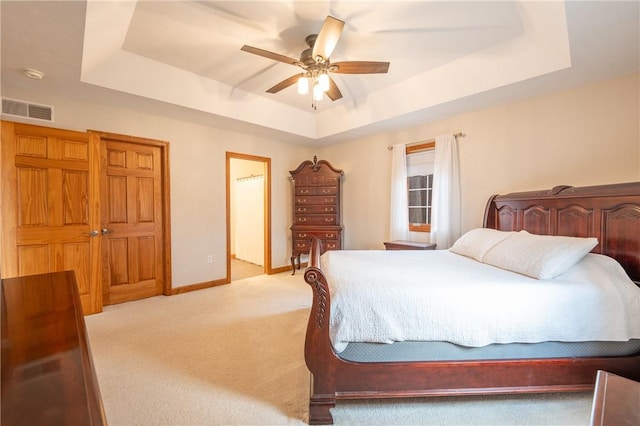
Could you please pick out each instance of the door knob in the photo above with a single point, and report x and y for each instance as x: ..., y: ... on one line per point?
x: 93, y: 233
x: 106, y: 231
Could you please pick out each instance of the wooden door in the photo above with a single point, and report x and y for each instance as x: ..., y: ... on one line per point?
x: 51, y: 205
x: 132, y: 219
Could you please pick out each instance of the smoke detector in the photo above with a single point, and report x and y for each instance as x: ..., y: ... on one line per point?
x: 34, y: 74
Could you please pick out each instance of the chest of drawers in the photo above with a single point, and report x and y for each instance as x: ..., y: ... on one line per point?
x: 316, y: 208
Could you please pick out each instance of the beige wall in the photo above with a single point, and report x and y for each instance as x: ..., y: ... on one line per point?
x: 586, y: 136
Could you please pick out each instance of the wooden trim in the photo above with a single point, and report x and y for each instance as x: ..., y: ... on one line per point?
x: 267, y: 207
x: 228, y: 213
x: 129, y: 138
x: 95, y: 269
x: 8, y: 219
x: 267, y: 218
x: 166, y: 214
x: 284, y: 269
x: 425, y: 227
x: 421, y: 146
x: 198, y: 286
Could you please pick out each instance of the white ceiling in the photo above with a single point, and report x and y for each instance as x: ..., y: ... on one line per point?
x: 183, y: 58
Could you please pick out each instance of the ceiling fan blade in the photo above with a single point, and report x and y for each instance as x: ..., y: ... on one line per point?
x: 270, y: 55
x: 328, y: 37
x: 285, y: 83
x: 333, y: 93
x: 361, y: 67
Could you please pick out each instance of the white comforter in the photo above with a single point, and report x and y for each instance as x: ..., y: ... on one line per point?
x: 387, y: 296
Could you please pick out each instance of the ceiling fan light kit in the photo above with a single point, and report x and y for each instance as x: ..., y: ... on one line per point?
x: 316, y: 63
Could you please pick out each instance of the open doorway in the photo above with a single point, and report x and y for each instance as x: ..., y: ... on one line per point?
x: 248, y: 215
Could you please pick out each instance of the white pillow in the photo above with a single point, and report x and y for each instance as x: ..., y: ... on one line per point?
x: 477, y: 242
x: 538, y: 256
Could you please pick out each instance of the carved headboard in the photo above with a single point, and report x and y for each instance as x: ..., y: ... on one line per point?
x: 610, y: 213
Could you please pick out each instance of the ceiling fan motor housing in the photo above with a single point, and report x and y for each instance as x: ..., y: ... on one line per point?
x: 306, y: 57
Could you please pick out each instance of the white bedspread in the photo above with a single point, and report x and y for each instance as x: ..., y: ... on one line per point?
x: 387, y: 296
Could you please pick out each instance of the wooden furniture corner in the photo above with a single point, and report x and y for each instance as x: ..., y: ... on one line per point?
x: 616, y: 401
x: 48, y: 375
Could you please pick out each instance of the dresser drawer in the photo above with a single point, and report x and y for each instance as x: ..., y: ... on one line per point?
x: 319, y: 219
x: 317, y: 200
x: 327, y: 190
x: 315, y: 180
x: 323, y: 235
x: 316, y: 190
x: 310, y: 209
x: 303, y: 246
x: 305, y: 190
x: 331, y: 245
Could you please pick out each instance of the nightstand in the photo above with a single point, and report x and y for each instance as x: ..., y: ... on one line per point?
x: 615, y: 401
x: 408, y: 245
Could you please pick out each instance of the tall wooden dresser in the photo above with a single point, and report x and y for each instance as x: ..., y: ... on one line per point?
x: 316, y: 207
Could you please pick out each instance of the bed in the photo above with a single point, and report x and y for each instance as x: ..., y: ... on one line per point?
x: 607, y: 215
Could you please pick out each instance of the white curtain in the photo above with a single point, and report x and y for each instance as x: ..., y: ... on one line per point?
x: 446, y: 215
x: 399, y: 215
x: 249, y: 219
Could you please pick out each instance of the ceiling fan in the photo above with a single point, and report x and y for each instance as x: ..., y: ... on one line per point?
x: 316, y: 63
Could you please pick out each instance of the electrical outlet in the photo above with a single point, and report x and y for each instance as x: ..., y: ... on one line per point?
x: 210, y: 259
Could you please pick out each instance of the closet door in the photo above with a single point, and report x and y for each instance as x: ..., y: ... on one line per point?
x: 132, y: 219
x: 51, y: 206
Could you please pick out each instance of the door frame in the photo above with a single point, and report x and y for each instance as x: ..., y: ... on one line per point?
x: 166, y: 200
x: 266, y: 211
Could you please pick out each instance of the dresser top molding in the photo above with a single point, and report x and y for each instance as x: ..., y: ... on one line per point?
x: 315, y: 165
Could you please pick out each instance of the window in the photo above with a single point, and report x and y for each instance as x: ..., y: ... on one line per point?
x: 420, y: 160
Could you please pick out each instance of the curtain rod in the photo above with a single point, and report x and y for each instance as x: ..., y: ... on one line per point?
x: 455, y: 135
x: 250, y: 177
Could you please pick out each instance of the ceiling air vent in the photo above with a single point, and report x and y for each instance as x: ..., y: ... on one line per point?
x: 25, y: 109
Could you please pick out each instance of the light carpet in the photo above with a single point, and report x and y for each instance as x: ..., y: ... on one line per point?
x: 234, y: 355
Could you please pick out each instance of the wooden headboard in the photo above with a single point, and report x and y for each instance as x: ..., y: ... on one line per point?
x: 610, y: 213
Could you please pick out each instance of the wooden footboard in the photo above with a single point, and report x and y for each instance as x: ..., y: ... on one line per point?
x: 334, y: 378
x: 319, y: 354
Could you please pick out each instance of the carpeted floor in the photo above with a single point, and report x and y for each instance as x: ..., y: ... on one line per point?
x: 233, y: 355
x: 241, y: 269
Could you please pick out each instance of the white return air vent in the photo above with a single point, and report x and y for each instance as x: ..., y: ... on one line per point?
x: 16, y: 108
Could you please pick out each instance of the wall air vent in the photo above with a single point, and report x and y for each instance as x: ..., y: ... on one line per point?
x: 16, y: 108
